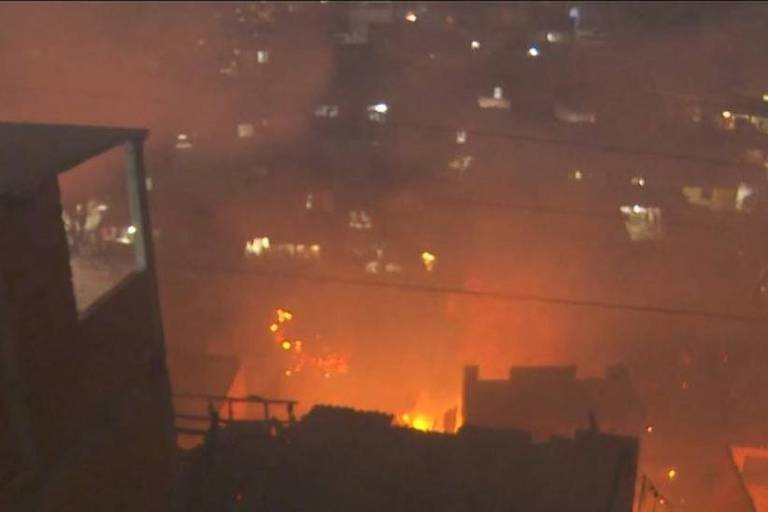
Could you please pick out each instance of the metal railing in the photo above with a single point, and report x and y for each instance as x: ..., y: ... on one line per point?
x: 216, y: 401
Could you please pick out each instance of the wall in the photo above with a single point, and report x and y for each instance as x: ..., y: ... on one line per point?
x: 93, y: 393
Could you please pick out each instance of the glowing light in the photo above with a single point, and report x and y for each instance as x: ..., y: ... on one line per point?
x: 273, y: 328
x: 765, y: 97
x: 381, y: 108
x: 421, y: 423
x: 498, y: 93
x: 257, y: 246
x: 417, y: 422
x: 727, y: 114
x: 551, y: 37
x: 288, y: 373
x: 638, y: 180
x: 411, y: 17
x: 533, y: 51
x: 475, y: 45
x: 132, y: 230
x: 286, y: 345
x: 577, y: 175
x: 429, y: 260
x: 182, y: 136
x: 649, y: 429
x: 671, y: 473
x: 283, y: 315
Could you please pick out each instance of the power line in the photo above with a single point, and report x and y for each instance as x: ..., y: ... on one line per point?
x: 499, y: 296
x: 605, y: 148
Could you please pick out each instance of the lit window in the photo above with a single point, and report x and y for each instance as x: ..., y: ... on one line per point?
x: 378, y: 112
x: 638, y: 181
x: 245, y: 130
x: 257, y: 246
x: 461, y: 164
x: 262, y: 56
x: 461, y: 136
x: 331, y: 111
x: 642, y: 222
x: 360, y: 219
x: 475, y: 45
x: 183, y: 142
x: 411, y: 17
x: 429, y: 260
x: 498, y: 93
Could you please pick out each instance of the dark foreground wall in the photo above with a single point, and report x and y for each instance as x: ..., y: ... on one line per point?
x: 85, y: 418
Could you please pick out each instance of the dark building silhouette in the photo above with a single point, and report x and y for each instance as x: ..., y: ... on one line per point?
x: 85, y: 412
x: 550, y: 400
x: 341, y: 459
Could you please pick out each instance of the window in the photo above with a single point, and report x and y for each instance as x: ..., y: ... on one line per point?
x: 97, y: 220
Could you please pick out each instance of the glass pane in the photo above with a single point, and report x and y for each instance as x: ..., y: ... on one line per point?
x: 97, y: 219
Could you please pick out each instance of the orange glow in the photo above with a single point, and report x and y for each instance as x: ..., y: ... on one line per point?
x: 332, y: 363
x: 671, y: 473
x: 418, y: 422
x: 286, y: 345
x: 421, y: 423
x: 273, y: 328
x: 649, y: 429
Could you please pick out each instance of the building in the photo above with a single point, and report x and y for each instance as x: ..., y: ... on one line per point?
x: 85, y: 412
x: 550, y: 400
x: 340, y: 459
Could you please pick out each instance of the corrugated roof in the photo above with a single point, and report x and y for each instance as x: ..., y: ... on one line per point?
x: 30, y: 152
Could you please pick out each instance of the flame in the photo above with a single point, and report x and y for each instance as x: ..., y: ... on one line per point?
x: 283, y: 315
x: 418, y: 421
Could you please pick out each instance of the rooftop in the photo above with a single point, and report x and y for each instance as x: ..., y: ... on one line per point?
x: 30, y: 152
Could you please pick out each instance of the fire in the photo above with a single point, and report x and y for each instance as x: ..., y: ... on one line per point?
x: 283, y: 315
x: 418, y: 422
